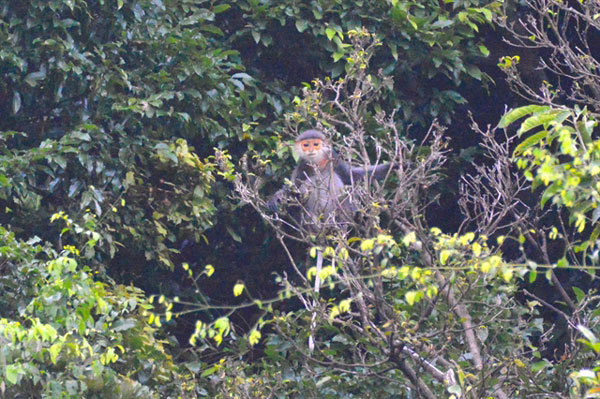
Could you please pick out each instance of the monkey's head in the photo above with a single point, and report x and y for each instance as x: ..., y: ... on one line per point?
x: 312, y: 146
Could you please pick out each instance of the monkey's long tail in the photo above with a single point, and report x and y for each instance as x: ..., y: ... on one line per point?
x: 313, y: 321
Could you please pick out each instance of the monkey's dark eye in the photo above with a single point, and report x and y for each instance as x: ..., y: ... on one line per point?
x: 306, y: 145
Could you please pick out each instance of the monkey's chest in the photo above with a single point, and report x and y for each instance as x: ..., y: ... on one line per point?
x: 324, y: 193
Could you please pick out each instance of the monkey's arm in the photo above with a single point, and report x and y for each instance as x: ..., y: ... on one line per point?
x: 378, y: 172
x: 274, y: 202
x: 350, y: 174
x: 280, y: 195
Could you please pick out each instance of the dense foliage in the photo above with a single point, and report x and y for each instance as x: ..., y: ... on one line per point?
x: 92, y: 95
x: 64, y: 334
x: 140, y: 140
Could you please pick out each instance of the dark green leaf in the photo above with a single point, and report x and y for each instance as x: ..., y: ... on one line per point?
x: 301, y: 25
x: 33, y: 78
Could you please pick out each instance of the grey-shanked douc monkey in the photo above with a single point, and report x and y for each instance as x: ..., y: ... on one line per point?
x: 320, y: 177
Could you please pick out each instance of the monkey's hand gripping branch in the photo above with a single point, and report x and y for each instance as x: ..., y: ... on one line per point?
x: 282, y: 195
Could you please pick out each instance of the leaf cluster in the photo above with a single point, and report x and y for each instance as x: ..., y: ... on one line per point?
x: 65, y: 334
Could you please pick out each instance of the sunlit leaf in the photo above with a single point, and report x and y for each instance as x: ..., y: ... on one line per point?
x: 518, y: 113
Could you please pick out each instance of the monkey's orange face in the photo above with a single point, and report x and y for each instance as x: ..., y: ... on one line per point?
x: 310, y: 146
x: 312, y: 150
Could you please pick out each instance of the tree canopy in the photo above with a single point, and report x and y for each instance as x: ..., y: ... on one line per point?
x: 141, y: 140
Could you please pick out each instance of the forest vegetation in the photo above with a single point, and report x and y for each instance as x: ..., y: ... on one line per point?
x: 141, y: 140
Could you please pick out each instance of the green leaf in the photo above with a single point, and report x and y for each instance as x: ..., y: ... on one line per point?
x: 587, y: 333
x: 33, y: 78
x: 455, y: 389
x: 487, y: 13
x: 474, y: 71
x: 222, y: 324
x: 482, y: 333
x: 301, y: 25
x: 579, y: 294
x: 323, y: 381
x: 233, y: 234
x: 583, y: 207
x: 194, y: 367
x: 330, y: 33
x: 595, y: 233
x: 165, y: 151
x: 537, y: 120
x: 561, y: 116
x: 394, y: 50
x: 562, y: 262
x: 442, y: 23
x: 412, y: 21
x: 518, y: 113
x: 221, y: 8
x: 160, y: 229
x: 254, y: 337
x: 410, y: 297
x: 238, y: 289
x: 124, y: 324
x: 530, y: 141
x: 532, y: 276
x: 12, y: 373
x: 54, y: 352
x: 550, y: 192
x: 537, y: 366
x: 209, y: 371
x: 211, y: 29
x: 444, y: 255
x: 586, y: 129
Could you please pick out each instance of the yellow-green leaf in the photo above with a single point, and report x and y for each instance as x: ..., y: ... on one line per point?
x: 507, y: 274
x: 12, y: 373
x: 238, y: 289
x: 330, y: 33
x: 537, y: 120
x: 530, y: 141
x: 518, y: 113
x: 444, y: 255
x: 254, y: 337
x: 410, y: 297
x: 476, y: 249
x: 367, y: 245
